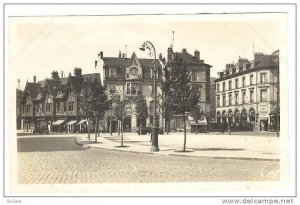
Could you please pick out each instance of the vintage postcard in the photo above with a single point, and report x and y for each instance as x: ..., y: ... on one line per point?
x: 159, y: 104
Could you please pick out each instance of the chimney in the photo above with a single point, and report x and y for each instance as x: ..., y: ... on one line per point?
x: 34, y: 79
x: 101, y: 54
x: 164, y: 60
x: 19, y: 85
x: 160, y: 57
x: 96, y: 63
x: 55, y: 75
x: 170, y: 54
x: 77, y: 72
x: 120, y: 54
x: 184, y: 50
x: 197, y: 55
x: 62, y: 74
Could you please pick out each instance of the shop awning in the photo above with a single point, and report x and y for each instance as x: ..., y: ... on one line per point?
x: 58, y: 122
x: 71, y: 122
x: 82, y: 121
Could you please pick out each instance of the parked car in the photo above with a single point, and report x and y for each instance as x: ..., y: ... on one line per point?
x: 41, y: 130
x: 148, y: 130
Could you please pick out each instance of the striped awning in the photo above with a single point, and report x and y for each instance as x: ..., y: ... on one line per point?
x: 82, y: 121
x: 71, y: 122
x: 58, y: 122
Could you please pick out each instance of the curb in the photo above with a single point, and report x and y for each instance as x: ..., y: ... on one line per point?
x: 179, y: 155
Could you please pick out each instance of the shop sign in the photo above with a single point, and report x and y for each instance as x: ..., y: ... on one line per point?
x: 263, y: 108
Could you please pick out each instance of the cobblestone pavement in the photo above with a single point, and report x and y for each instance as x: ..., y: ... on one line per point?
x: 58, y: 160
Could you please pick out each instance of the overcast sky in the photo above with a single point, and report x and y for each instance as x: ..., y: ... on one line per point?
x: 39, y: 45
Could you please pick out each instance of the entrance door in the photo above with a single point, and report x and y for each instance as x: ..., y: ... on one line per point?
x: 263, y: 125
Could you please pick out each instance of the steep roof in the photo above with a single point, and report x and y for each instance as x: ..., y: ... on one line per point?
x: 123, y: 62
x: 115, y: 62
x: 53, y: 86
x: 268, y: 61
x: 75, y: 83
x: 32, y: 89
x: 92, y: 76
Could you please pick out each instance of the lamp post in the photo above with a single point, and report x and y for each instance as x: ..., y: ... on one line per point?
x: 149, y: 46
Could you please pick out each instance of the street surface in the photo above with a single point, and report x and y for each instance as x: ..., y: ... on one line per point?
x: 58, y: 160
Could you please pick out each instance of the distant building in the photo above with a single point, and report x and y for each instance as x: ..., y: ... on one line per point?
x: 200, y: 77
x: 18, y: 105
x: 52, y: 102
x: 131, y: 79
x: 212, y: 99
x: 246, y: 92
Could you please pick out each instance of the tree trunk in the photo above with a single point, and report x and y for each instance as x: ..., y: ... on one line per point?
x: 168, y: 126
x: 122, y: 125
x: 140, y: 127
x: 96, y: 130
x: 184, y: 130
x: 88, y: 126
x: 119, y: 124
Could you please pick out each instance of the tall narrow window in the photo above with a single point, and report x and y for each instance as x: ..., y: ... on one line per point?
x: 236, y: 83
x: 251, y: 79
x: 224, y: 86
x: 229, y: 84
x: 263, y: 77
x: 251, y: 96
x: 224, y: 100
x: 244, y: 81
x: 263, y: 95
x: 244, y: 97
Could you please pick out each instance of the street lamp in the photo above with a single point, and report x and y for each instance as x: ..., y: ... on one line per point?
x: 149, y: 46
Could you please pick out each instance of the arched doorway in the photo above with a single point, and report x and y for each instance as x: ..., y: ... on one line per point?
x: 237, y: 118
x: 218, y: 118
x: 243, y: 117
x: 224, y: 117
x: 230, y: 117
x: 252, y: 115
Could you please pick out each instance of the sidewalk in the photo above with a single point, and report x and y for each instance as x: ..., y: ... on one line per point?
x: 221, y: 146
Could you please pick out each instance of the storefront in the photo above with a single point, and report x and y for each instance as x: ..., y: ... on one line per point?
x: 224, y: 117
x: 230, y: 117
x: 218, y: 118
x: 237, y: 118
x: 244, y: 118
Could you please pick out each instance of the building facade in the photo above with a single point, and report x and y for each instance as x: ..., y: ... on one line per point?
x: 200, y: 77
x: 52, y: 102
x: 247, y: 92
x: 131, y: 79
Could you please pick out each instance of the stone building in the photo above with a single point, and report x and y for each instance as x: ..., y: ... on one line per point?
x: 247, y: 92
x: 200, y: 77
x: 131, y: 79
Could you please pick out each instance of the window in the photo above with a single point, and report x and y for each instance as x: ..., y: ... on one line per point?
x: 48, y: 107
x: 70, y: 106
x: 251, y: 79
x: 236, y: 98
x: 112, y: 89
x: 113, y: 72
x: 236, y: 83
x: 28, y: 108
x: 57, y: 107
x: 251, y: 96
x: 43, y: 107
x: 224, y: 100
x: 224, y: 86
x: 218, y: 101
x: 65, y: 107
x: 229, y: 85
x: 263, y: 95
x: 244, y: 81
x: 244, y: 97
x: 218, y: 87
x: 263, y: 77
x: 229, y: 98
x: 133, y: 88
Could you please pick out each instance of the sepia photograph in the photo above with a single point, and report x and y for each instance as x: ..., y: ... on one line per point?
x: 138, y: 103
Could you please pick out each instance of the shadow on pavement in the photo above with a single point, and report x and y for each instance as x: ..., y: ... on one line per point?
x: 48, y: 144
x: 217, y: 149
